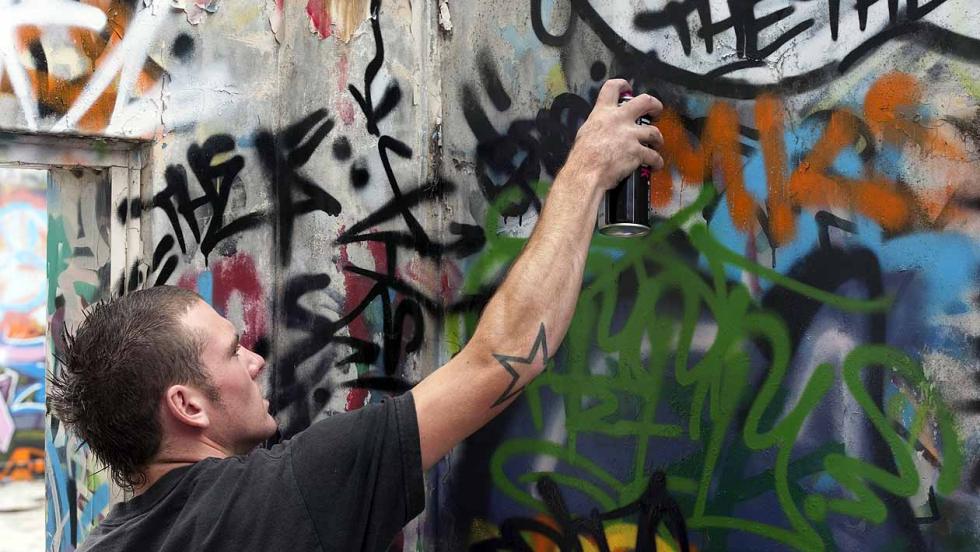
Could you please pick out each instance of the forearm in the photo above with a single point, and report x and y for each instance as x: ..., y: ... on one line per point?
x: 521, y: 326
x: 542, y: 286
x: 527, y: 318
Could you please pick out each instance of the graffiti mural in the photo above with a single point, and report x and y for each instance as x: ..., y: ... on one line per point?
x: 23, y: 302
x: 787, y: 362
x: 77, y: 490
x: 735, y: 50
x: 779, y: 351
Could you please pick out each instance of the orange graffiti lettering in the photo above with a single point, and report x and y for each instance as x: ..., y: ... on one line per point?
x: 719, y: 145
x: 890, y: 110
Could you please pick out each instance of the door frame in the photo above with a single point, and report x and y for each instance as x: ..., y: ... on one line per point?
x: 125, y: 159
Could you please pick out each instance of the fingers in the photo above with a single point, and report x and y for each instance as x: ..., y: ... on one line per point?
x: 644, y: 104
x: 611, y: 90
x: 651, y: 140
x: 650, y: 136
x: 651, y: 158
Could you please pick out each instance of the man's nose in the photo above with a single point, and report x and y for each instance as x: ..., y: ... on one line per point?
x: 257, y: 365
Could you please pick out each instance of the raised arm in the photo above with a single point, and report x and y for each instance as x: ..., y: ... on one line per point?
x: 526, y: 319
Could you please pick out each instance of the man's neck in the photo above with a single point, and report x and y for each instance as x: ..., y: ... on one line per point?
x: 154, y: 472
x: 173, y: 457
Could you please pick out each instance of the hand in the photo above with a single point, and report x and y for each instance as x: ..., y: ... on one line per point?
x: 610, y: 145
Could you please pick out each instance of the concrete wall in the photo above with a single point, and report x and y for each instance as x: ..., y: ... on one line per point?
x: 794, y: 346
x: 786, y: 362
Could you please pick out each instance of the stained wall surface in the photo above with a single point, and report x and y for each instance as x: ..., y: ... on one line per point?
x: 787, y: 362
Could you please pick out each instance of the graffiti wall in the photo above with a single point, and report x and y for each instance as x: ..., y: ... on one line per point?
x: 23, y: 302
x: 78, y: 261
x: 787, y: 362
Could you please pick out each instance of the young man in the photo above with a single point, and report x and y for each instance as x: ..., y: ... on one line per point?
x: 159, y: 387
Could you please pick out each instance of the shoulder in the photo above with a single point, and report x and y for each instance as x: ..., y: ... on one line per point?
x: 392, y: 417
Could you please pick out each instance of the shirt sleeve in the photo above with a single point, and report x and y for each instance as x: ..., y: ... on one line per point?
x: 360, y: 474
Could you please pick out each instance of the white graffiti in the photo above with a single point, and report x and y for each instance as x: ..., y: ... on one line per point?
x: 39, y: 13
x: 126, y: 59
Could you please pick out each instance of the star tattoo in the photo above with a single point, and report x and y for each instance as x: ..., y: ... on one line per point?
x: 508, y: 363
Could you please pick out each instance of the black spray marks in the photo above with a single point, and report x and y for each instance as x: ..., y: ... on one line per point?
x: 514, y: 159
x: 783, y: 28
x: 653, y: 507
x: 402, y: 305
x: 282, y: 155
x: 215, y: 182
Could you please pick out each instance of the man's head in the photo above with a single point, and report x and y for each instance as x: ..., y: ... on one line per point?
x: 152, y: 368
x: 238, y: 420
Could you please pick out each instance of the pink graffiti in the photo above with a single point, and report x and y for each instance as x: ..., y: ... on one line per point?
x: 7, y: 427
x: 232, y: 277
x: 356, y: 288
x: 319, y: 12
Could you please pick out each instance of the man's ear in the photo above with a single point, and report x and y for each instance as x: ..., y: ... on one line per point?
x: 187, y: 405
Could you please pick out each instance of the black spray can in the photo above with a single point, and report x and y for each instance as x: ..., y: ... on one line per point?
x: 625, y: 210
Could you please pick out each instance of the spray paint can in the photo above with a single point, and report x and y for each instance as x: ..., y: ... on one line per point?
x: 625, y: 210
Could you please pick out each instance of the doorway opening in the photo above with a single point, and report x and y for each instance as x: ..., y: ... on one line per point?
x: 67, y: 234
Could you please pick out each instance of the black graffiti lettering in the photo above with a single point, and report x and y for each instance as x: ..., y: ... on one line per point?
x: 499, y: 154
x: 653, y: 507
x: 281, y: 156
x: 215, y: 181
x: 862, y: 7
x: 392, y: 94
x: 537, y: 23
x: 675, y: 15
x: 317, y: 332
x: 403, y: 323
x: 926, y: 34
x: 495, y: 89
x: 163, y: 263
x: 470, y: 237
x: 530, y: 145
x: 518, y: 156
x: 826, y: 220
x: 743, y: 20
x: 176, y: 188
x: 746, y: 25
x: 183, y: 47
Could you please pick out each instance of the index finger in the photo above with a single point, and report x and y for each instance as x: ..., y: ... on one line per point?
x: 644, y: 104
x: 611, y: 90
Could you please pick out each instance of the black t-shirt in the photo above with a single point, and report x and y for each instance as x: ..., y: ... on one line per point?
x: 348, y: 482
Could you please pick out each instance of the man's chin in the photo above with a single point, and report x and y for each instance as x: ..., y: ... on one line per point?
x: 272, y: 427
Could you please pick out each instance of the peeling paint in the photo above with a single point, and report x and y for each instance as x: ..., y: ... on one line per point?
x: 196, y: 9
x: 275, y: 18
x: 338, y: 18
x: 445, y: 20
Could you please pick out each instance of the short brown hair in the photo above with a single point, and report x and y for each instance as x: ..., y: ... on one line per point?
x: 115, y: 369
